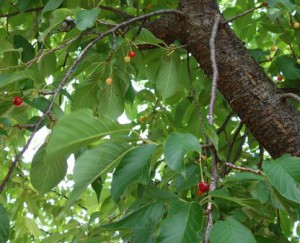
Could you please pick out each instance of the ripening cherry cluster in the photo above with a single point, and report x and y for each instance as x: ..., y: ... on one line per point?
x: 127, y: 59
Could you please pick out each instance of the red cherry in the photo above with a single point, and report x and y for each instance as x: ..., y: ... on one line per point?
x: 131, y: 54
x: 199, y: 193
x: 203, y: 186
x: 18, y: 101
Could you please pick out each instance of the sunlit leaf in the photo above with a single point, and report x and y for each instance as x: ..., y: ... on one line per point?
x: 44, y: 175
x: 4, y: 224
x: 95, y: 162
x: 182, y: 224
x: 134, y: 167
x: 86, y: 18
x: 177, y: 145
x: 230, y: 231
x: 281, y: 177
x: 76, y: 130
x: 167, y: 81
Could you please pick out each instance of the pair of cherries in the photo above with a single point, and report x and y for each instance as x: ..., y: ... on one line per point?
x: 203, y: 186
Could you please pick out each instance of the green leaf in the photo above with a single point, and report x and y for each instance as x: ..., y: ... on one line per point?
x: 44, y: 175
x: 182, y: 224
x: 51, y: 5
x: 286, y: 3
x: 177, y: 145
x: 28, y: 51
x: 134, y: 167
x: 9, y: 78
x: 32, y: 227
x: 76, y: 130
x: 25, y: 4
x: 146, y: 37
x: 4, y: 225
x: 291, y: 165
x: 230, y: 231
x: 140, y: 218
x: 111, y: 100
x: 94, y: 163
x: 86, y: 18
x: 288, y: 66
x: 281, y: 178
x: 167, y: 81
x: 47, y: 65
x: 85, y: 95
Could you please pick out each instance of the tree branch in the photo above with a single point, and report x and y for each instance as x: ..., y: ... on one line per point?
x: 265, y: 4
x: 214, y: 178
x: 215, y: 69
x: 236, y: 167
x: 117, y: 11
x: 284, y: 97
x: 66, y: 77
x: 18, y: 12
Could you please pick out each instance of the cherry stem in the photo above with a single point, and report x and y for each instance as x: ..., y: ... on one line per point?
x: 200, y: 164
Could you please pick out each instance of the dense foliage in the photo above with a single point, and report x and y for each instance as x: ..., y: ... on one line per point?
x: 130, y: 115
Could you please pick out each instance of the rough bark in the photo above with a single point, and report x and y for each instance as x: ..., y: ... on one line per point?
x: 242, y: 82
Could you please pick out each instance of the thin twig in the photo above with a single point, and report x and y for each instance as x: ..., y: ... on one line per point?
x: 235, y: 135
x: 48, y: 52
x: 246, y: 12
x: 284, y: 97
x: 286, y: 34
x: 241, y: 144
x: 24, y: 126
x: 236, y: 167
x: 214, y: 156
x: 222, y: 128
x: 65, y: 197
x: 261, y: 156
x: 215, y: 69
x: 18, y: 12
x: 66, y: 77
x: 46, y: 92
x: 117, y: 11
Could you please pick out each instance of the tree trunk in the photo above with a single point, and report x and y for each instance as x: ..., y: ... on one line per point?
x: 242, y: 82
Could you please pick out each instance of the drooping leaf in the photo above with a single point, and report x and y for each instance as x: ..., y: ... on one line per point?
x: 230, y: 231
x: 4, y: 224
x: 47, y: 65
x: 85, y: 95
x: 167, y: 81
x: 25, y: 4
x: 290, y: 165
x: 86, y: 18
x: 182, y: 224
x: 177, y: 145
x: 44, y: 175
x: 211, y: 133
x: 281, y: 177
x: 9, y: 78
x: 134, y: 167
x: 94, y: 163
x: 288, y: 66
x: 76, y: 130
x: 28, y: 51
x: 140, y: 218
x: 146, y: 37
x: 111, y: 100
x: 51, y: 5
